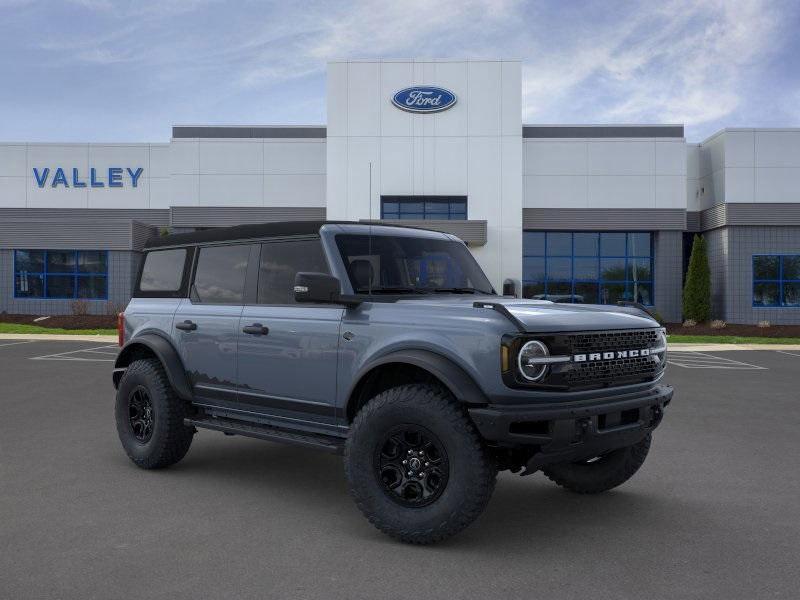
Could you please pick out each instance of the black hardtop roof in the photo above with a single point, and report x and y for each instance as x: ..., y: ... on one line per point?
x: 248, y: 232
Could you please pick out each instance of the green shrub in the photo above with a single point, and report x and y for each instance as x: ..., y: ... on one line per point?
x: 697, y: 290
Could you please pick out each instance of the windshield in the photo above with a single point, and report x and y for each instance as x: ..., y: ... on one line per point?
x: 410, y: 265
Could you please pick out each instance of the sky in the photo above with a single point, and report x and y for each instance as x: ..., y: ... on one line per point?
x: 126, y: 71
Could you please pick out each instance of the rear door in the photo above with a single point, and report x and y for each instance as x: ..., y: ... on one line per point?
x: 207, y: 323
x: 288, y: 352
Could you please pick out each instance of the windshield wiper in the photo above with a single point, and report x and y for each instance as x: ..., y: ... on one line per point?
x: 389, y: 290
x: 459, y: 290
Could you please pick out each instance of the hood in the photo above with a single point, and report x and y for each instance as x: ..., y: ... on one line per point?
x: 541, y: 316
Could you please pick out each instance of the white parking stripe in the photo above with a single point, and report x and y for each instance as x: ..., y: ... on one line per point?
x: 702, y: 360
x: 92, y: 350
x: 17, y: 343
x: 788, y: 353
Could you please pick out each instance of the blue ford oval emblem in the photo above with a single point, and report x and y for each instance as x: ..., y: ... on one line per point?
x: 424, y: 99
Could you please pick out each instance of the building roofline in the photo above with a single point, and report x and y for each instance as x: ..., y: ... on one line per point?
x: 603, y: 131
x: 249, y: 131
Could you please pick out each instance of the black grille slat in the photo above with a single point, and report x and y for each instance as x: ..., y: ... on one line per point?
x: 613, y: 340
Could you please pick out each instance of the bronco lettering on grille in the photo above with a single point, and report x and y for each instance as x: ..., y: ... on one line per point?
x: 595, y: 356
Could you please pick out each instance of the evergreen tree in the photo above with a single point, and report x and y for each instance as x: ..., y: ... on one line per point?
x: 697, y: 290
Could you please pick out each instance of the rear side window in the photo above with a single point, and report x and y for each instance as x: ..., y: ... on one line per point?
x: 220, y: 274
x: 163, y: 271
x: 281, y: 261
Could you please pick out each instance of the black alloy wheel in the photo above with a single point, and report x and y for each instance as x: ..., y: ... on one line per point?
x: 411, y: 465
x: 140, y: 414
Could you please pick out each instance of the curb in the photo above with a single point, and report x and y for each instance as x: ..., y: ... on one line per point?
x: 53, y: 337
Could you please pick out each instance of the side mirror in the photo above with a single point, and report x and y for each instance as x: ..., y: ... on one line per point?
x: 316, y: 287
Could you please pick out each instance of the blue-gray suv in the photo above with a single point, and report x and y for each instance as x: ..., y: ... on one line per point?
x: 388, y: 345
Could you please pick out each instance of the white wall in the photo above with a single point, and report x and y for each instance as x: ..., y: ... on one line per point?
x: 249, y: 172
x: 604, y: 173
x: 18, y: 186
x: 472, y: 149
x: 750, y: 165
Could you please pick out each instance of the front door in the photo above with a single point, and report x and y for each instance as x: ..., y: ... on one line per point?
x: 288, y: 352
x: 207, y: 323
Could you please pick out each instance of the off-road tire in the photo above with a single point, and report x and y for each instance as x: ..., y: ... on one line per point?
x: 607, y: 472
x: 170, y: 438
x: 471, y: 473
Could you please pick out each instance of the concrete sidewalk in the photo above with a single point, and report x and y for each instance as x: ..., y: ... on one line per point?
x: 112, y: 339
x: 52, y: 337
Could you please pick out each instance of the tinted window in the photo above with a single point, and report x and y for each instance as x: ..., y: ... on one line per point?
x: 220, y: 273
x: 163, y: 271
x: 388, y: 264
x: 280, y: 262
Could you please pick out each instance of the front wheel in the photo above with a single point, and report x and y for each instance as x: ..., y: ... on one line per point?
x: 416, y: 466
x: 600, y: 473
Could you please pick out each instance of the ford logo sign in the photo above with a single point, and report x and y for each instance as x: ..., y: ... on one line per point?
x: 424, y: 99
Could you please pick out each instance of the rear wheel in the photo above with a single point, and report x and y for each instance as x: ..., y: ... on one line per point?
x: 600, y: 473
x: 150, y: 417
x: 416, y: 466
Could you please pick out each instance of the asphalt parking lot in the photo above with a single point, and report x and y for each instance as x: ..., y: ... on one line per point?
x: 714, y: 512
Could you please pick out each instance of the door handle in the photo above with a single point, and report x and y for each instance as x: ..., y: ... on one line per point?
x: 186, y: 326
x: 256, y: 329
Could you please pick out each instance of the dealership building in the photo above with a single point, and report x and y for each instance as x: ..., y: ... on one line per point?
x: 568, y: 212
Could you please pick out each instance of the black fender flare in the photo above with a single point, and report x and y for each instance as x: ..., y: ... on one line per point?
x: 165, y: 352
x: 456, y: 379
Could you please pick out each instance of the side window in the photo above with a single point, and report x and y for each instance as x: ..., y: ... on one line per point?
x: 163, y: 270
x: 280, y: 262
x: 220, y: 273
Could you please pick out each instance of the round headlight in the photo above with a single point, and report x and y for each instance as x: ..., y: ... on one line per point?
x: 529, y: 360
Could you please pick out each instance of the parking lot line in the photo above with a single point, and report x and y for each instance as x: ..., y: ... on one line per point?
x: 788, y: 353
x: 17, y: 343
x: 702, y: 360
x: 66, y: 355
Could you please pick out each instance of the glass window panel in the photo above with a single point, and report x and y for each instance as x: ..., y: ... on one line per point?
x: 280, y: 263
x: 586, y: 268
x: 60, y: 286
x: 791, y: 294
x: 533, y: 243
x: 765, y: 267
x: 458, y: 207
x: 587, y: 244
x: 533, y: 290
x: 220, y: 274
x: 765, y: 294
x: 533, y: 268
x: 29, y: 260
x: 436, y: 206
x: 559, y: 244
x: 612, y: 269
x: 410, y: 216
x: 60, y: 261
x: 559, y: 268
x: 791, y: 267
x: 610, y: 293
x: 163, y: 270
x: 612, y: 244
x: 415, y: 207
x: 639, y: 244
x: 28, y: 286
x: 559, y: 291
x: 91, y: 286
x: 641, y: 292
x: 92, y: 261
x: 390, y: 207
x: 391, y: 215
x: 585, y: 292
x: 639, y: 269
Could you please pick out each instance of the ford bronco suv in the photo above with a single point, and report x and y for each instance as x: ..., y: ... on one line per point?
x: 388, y: 345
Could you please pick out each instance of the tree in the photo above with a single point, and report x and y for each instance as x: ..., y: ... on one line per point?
x: 697, y: 289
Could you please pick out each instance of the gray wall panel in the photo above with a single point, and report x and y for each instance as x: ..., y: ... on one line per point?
x: 602, y: 131
x: 606, y: 219
x: 473, y: 232
x: 693, y: 221
x: 222, y: 216
x: 231, y: 132
x: 668, y: 276
x: 153, y: 216
x: 69, y: 234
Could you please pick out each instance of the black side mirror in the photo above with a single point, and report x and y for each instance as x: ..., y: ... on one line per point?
x: 316, y: 287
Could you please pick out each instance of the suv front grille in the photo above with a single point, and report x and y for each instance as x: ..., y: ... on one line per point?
x: 610, y: 371
x: 613, y: 340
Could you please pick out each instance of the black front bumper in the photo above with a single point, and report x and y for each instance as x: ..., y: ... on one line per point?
x: 559, y: 432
